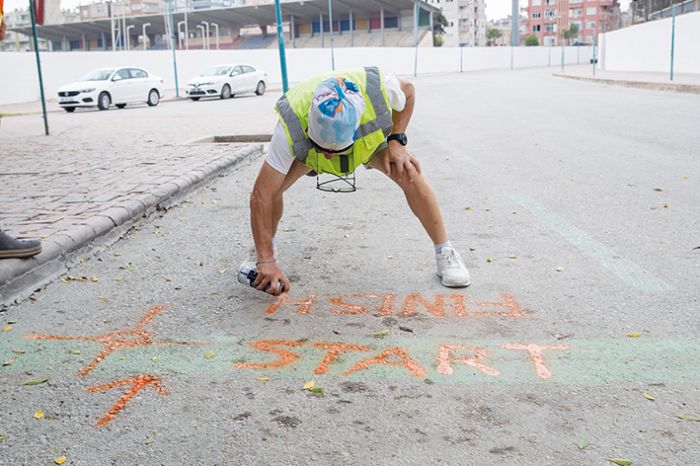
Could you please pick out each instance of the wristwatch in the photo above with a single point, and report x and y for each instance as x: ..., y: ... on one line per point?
x: 401, y: 137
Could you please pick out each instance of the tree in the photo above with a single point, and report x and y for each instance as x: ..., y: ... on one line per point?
x: 492, y: 34
x: 439, y: 25
x: 532, y: 41
x: 571, y: 33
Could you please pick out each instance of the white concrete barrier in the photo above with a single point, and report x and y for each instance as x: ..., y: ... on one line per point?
x: 647, y: 47
x: 19, y: 82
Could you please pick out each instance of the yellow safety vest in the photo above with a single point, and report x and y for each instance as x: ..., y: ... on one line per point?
x: 375, y: 123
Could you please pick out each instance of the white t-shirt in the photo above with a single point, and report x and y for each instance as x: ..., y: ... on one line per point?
x: 278, y: 153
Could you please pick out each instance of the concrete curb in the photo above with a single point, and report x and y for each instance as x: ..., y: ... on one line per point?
x: 20, y: 277
x: 686, y: 88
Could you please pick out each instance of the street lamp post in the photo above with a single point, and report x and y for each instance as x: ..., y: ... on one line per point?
x: 180, y: 33
x: 127, y: 37
x: 145, y: 37
x: 199, y: 26
x: 217, y: 34
x: 206, y: 25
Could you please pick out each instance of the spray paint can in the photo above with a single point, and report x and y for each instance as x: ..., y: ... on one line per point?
x: 247, y: 275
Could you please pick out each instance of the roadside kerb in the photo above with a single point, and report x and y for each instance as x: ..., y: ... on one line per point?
x: 20, y: 277
x: 657, y: 86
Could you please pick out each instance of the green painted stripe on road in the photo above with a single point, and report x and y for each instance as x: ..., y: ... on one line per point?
x: 582, y: 362
x: 626, y: 270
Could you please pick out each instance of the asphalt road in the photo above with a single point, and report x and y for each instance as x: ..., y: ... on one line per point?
x: 575, y: 206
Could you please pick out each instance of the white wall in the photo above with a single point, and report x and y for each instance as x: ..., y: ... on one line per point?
x: 647, y: 46
x: 19, y: 82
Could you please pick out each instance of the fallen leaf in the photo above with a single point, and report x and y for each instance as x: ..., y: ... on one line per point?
x: 11, y: 322
x: 7, y: 328
x: 116, y: 254
x: 38, y: 414
x: 35, y: 382
x: 2, y: 438
x: 428, y: 381
x: 620, y: 461
x: 658, y: 189
x: 102, y: 298
x: 18, y: 351
x: 64, y: 280
x: 209, y: 354
x: 489, y: 260
x: 559, y: 269
x: 382, y: 333
x: 118, y: 279
x: 154, y: 358
x: 467, y: 208
x: 582, y: 444
x: 148, y: 440
x: 200, y: 263
x: 316, y: 390
x: 309, y: 385
x: 60, y: 460
x: 262, y: 379
x: 649, y: 396
x: 685, y: 417
x: 634, y: 335
x: 221, y: 271
x: 405, y: 329
x: 74, y: 351
x: 665, y: 206
x: 512, y: 257
x: 93, y: 279
x: 9, y: 362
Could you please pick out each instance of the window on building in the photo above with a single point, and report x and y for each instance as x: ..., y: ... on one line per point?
x: 536, y: 28
x: 575, y: 13
x: 536, y: 14
x: 549, y: 41
x: 550, y: 27
x: 550, y: 13
x: 591, y: 11
x: 590, y: 25
x: 536, y: 2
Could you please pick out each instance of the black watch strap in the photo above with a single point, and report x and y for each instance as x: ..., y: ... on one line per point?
x: 401, y: 137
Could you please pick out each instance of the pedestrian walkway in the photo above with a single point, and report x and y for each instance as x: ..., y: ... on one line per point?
x: 658, y: 81
x: 97, y: 172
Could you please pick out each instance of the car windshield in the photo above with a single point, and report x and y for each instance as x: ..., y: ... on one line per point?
x: 217, y: 71
x: 97, y: 75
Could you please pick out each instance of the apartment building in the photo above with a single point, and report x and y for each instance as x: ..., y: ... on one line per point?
x: 101, y: 10
x: 548, y: 19
x: 466, y: 22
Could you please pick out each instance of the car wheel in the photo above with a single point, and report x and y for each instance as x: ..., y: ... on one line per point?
x: 121, y: 105
x: 69, y: 109
x: 226, y: 92
x: 194, y: 98
x: 260, y: 90
x: 104, y: 101
x: 153, y: 98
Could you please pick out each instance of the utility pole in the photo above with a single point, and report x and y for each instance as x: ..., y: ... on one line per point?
x: 172, y: 43
x: 38, y: 66
x: 280, y: 44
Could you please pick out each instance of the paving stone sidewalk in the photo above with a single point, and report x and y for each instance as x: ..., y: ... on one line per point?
x: 684, y: 82
x: 71, y: 191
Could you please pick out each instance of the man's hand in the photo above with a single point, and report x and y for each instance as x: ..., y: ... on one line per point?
x: 270, y: 273
x: 405, y: 162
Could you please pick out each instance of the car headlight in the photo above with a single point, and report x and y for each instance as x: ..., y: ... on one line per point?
x: 85, y: 91
x: 206, y: 84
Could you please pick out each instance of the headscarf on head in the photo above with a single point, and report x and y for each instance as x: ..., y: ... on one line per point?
x: 335, y: 113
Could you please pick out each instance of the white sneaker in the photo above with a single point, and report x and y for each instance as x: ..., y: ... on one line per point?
x: 451, y: 268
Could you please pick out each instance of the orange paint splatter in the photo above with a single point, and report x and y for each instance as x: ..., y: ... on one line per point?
x: 116, y: 341
x: 509, y: 303
x: 383, y: 359
x: 137, y: 383
x: 304, y: 306
x: 436, y: 308
x: 350, y: 309
x: 535, y: 354
x: 334, y: 350
x: 445, y: 358
x: 286, y: 357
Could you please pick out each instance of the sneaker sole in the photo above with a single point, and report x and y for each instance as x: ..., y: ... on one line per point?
x: 453, y: 285
x: 20, y: 253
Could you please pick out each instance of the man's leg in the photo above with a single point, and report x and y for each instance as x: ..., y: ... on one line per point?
x: 423, y: 203
x: 421, y: 199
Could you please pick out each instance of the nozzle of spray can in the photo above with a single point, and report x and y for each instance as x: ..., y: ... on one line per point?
x: 247, y: 275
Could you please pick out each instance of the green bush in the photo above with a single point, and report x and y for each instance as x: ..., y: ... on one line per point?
x: 532, y: 41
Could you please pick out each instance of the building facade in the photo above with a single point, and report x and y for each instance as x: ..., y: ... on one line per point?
x: 548, y: 19
x: 466, y: 22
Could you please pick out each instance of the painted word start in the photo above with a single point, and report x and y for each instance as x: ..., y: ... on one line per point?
x: 387, y: 304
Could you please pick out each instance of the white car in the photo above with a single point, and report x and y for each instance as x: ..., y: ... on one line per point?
x: 112, y: 86
x: 225, y: 81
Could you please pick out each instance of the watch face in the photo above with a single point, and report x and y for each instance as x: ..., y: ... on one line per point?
x: 401, y: 137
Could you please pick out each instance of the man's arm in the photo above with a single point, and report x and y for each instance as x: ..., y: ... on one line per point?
x: 268, y: 186
x: 399, y: 156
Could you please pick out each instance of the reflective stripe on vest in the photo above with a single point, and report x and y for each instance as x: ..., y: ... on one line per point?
x: 301, y: 144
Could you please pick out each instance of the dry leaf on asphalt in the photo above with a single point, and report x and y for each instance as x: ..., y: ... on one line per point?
x: 7, y: 328
x: 35, y: 382
x: 18, y: 351
x: 582, y: 444
x: 309, y: 385
x: 209, y: 354
x: 2, y: 438
x: 38, y: 414
x: 634, y: 335
x: 649, y: 396
x: 620, y: 461
x: 405, y: 329
x: 262, y: 379
x: 489, y: 260
x: 221, y: 271
x: 316, y: 390
x: 74, y: 351
x: 9, y: 362
x: 60, y: 460
x: 685, y: 417
x: 559, y: 269
x: 381, y: 334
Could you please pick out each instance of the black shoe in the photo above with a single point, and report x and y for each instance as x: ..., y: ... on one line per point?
x: 13, y: 248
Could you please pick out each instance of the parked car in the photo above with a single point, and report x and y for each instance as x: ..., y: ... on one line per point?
x: 104, y: 87
x: 225, y: 81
